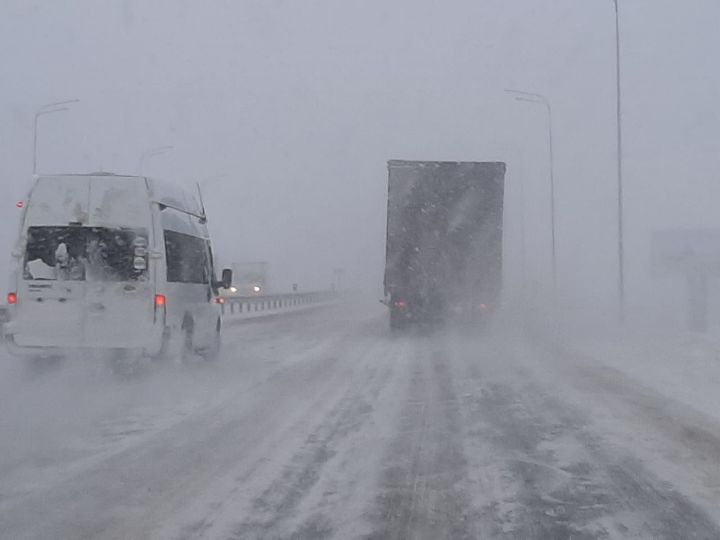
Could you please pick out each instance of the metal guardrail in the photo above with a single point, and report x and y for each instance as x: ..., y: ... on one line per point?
x: 274, y: 303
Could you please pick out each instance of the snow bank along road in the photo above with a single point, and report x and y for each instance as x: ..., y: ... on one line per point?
x: 322, y: 425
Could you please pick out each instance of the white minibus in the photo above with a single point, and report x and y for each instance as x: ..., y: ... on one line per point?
x: 114, y: 264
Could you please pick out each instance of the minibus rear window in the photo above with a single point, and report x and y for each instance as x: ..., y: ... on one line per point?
x: 85, y: 253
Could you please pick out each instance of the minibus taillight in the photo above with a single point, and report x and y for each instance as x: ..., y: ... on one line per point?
x: 12, y: 298
x: 159, y: 300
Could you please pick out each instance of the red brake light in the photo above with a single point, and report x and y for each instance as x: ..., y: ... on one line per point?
x: 159, y: 300
x: 400, y: 304
x: 219, y: 300
x: 20, y: 204
x: 12, y: 298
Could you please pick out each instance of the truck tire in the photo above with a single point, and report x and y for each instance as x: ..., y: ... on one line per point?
x: 397, y: 323
x: 40, y: 365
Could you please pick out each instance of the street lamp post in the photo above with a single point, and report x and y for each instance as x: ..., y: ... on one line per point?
x: 532, y: 97
x: 150, y: 152
x: 49, y: 108
x: 621, y: 240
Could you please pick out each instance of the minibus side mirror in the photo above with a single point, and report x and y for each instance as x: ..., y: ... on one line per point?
x: 226, y: 280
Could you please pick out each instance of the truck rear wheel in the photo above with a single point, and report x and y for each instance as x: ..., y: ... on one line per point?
x: 397, y: 322
x: 39, y: 365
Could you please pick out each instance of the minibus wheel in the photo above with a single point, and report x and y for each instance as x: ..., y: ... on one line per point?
x: 213, y: 351
x: 187, y: 351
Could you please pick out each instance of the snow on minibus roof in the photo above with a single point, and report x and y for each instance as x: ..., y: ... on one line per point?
x: 160, y: 190
x: 88, y: 199
x: 164, y: 191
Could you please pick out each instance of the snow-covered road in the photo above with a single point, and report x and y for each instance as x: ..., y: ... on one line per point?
x: 322, y: 425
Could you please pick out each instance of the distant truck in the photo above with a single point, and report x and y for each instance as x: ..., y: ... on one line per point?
x: 250, y: 278
x: 444, y: 240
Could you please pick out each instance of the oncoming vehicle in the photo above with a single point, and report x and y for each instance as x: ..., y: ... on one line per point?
x: 250, y: 278
x: 115, y: 264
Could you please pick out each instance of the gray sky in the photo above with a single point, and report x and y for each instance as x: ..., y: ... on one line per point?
x: 300, y: 103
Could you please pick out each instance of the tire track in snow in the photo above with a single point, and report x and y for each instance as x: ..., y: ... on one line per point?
x: 559, y: 479
x: 276, y: 493
x: 422, y: 493
x: 274, y: 511
x: 132, y: 493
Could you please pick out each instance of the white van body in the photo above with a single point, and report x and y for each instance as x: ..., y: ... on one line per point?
x: 112, y: 263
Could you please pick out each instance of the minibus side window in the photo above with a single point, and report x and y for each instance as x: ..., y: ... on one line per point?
x: 187, y: 258
x: 211, y: 269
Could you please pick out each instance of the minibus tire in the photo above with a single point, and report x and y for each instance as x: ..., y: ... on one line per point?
x: 187, y: 351
x: 212, y: 353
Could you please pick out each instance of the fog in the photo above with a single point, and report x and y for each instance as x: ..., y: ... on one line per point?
x: 286, y: 112
x: 291, y: 110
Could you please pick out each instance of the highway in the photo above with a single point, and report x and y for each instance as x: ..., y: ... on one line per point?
x: 321, y: 424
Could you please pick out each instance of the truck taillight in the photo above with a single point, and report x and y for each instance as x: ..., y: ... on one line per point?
x: 160, y: 300
x: 12, y: 298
